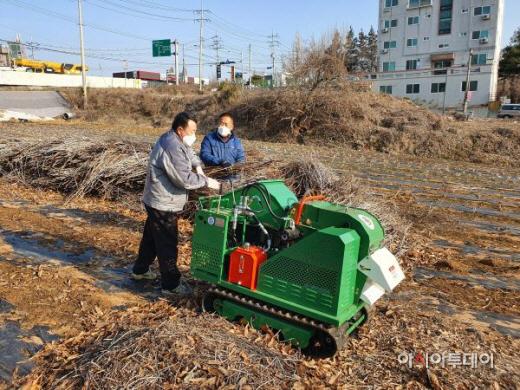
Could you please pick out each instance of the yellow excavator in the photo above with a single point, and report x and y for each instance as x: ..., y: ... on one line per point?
x: 38, y: 66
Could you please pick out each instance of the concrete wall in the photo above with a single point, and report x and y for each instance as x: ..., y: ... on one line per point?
x: 10, y: 77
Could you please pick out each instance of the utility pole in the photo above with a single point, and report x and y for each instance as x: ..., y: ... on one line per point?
x: 183, y: 66
x: 32, y: 46
x: 242, y: 68
x: 175, y: 54
x: 201, y: 39
x: 125, y: 66
x: 249, y: 70
x: 273, y: 44
x: 468, y: 82
x: 445, y: 89
x: 82, y: 51
x: 217, y: 46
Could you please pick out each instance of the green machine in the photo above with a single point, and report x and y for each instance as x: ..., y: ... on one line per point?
x: 309, y: 269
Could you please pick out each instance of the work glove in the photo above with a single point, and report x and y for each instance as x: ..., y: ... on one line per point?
x: 199, y: 170
x: 213, y: 184
x: 226, y: 164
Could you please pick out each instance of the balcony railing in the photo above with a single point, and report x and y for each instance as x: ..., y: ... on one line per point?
x: 428, y: 72
x: 419, y: 3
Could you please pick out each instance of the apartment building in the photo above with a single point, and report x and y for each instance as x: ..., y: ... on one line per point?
x: 425, y: 47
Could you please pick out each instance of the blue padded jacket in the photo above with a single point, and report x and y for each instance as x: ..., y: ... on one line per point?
x: 214, y: 151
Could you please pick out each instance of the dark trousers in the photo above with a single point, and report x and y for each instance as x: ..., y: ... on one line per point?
x: 160, y: 240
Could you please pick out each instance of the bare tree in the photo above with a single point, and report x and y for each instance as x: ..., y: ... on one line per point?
x: 318, y: 62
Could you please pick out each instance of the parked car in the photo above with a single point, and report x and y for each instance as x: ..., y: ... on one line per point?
x: 509, y: 111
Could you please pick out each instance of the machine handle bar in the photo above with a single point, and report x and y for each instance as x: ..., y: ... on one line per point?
x: 301, y: 205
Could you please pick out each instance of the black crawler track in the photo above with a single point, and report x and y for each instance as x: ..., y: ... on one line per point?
x: 326, y: 339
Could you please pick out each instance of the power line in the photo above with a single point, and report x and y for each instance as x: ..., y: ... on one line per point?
x: 154, y: 5
x: 44, y: 11
x: 236, y: 27
x: 144, y: 10
x: 226, y: 30
x: 94, y: 56
x: 138, y: 13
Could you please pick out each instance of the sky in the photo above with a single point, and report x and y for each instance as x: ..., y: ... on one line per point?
x: 119, y: 33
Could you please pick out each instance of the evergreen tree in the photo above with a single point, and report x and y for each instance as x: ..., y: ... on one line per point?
x: 351, y: 51
x: 372, y: 50
x: 363, y: 54
x: 510, y: 62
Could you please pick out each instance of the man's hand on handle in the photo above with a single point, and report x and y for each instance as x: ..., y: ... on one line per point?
x: 200, y: 171
x: 213, y: 184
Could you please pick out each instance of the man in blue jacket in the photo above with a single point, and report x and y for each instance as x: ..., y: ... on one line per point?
x: 221, y: 147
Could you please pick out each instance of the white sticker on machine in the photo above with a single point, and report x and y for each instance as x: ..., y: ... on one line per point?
x: 367, y: 221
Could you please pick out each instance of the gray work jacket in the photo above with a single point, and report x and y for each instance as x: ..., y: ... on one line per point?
x: 170, y: 174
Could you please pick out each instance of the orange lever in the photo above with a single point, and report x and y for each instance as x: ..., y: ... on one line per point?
x: 302, y: 204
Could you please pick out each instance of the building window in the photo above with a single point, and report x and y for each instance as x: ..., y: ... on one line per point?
x: 385, y: 89
x: 413, y: 20
x: 411, y: 64
x: 418, y: 3
x: 388, y: 66
x: 426, y: 38
x: 441, y: 64
x: 390, y: 44
x: 473, y: 86
x: 391, y: 3
x: 438, y: 87
x: 479, y: 59
x: 443, y: 45
x: 482, y: 10
x: 445, y: 17
x: 411, y: 42
x: 412, y: 88
x: 390, y: 23
x: 480, y: 34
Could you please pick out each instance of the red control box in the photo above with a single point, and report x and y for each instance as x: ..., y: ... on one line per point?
x: 243, y: 265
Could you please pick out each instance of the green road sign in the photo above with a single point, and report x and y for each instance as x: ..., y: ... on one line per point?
x: 162, y: 48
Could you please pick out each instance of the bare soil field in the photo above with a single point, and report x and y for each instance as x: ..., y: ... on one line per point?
x: 71, y: 317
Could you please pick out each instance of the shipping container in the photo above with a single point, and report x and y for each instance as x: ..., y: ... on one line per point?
x: 144, y: 75
x: 138, y: 74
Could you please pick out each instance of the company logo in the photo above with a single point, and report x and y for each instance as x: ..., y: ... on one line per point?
x: 444, y: 359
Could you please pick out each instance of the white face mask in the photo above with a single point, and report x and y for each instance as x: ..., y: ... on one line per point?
x: 189, y: 140
x: 224, y: 131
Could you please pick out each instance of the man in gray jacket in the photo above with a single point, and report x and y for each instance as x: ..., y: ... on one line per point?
x: 170, y: 175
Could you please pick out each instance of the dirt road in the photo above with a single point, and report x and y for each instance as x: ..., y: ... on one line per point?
x: 63, y: 263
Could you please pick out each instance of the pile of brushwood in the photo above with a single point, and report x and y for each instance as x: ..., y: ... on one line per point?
x: 77, y: 166
x: 336, y: 115
x: 368, y: 121
x: 116, y: 170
